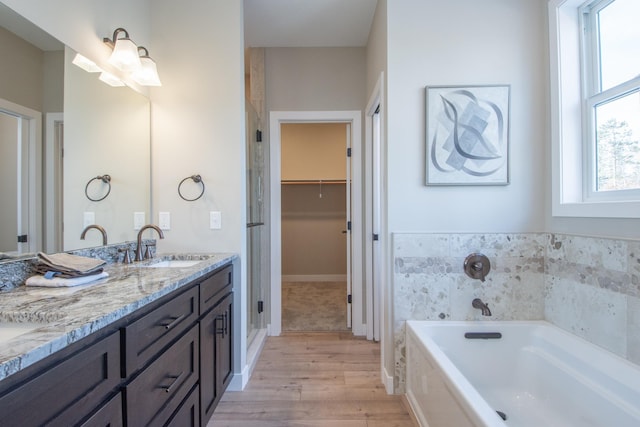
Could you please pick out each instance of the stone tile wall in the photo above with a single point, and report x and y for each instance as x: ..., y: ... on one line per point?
x: 588, y: 286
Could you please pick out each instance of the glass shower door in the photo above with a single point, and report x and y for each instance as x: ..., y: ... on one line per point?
x: 256, y: 277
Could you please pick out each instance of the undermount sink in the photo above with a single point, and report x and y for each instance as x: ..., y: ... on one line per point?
x: 173, y: 263
x: 10, y: 330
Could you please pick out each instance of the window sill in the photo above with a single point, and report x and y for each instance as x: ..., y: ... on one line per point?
x: 622, y: 209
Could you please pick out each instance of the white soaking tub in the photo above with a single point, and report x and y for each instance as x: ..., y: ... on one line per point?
x: 536, y: 374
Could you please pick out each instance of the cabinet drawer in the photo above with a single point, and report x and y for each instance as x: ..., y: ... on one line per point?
x: 213, y: 285
x: 188, y: 414
x: 66, y: 391
x: 147, y: 336
x: 109, y: 415
x: 157, y: 392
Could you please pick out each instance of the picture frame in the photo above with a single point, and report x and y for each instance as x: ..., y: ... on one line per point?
x: 467, y: 135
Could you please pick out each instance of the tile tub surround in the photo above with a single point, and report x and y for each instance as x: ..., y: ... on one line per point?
x: 14, y: 272
x: 70, y: 314
x: 588, y: 286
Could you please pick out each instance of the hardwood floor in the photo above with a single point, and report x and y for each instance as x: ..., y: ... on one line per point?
x: 314, y: 379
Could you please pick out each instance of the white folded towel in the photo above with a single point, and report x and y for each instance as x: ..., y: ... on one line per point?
x: 58, y: 282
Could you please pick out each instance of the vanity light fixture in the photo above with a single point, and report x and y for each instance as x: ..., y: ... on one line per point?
x: 110, y: 79
x: 86, y: 64
x: 147, y: 74
x: 125, y: 52
x: 127, y: 58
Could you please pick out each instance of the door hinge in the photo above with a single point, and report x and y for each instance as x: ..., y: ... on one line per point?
x: 349, y: 225
x: 22, y: 238
x: 348, y: 152
x: 349, y: 299
x: 376, y: 237
x: 260, y: 306
x: 258, y: 136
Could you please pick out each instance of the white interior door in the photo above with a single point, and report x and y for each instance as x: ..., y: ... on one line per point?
x: 10, y: 209
x: 25, y: 175
x: 375, y: 214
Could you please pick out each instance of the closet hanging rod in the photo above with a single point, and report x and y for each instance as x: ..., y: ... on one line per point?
x: 317, y: 181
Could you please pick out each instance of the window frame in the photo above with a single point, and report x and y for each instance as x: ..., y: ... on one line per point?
x: 573, y: 117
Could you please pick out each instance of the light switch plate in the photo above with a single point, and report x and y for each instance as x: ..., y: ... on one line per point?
x: 215, y: 220
x: 88, y: 218
x: 138, y: 220
x: 164, y: 220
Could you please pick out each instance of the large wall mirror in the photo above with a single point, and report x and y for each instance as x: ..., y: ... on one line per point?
x: 60, y: 128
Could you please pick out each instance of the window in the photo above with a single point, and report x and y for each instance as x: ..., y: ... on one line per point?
x: 595, y: 70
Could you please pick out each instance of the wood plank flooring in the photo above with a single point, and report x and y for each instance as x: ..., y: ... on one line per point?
x: 313, y: 379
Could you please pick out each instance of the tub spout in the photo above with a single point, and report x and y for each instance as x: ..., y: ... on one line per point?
x: 477, y: 303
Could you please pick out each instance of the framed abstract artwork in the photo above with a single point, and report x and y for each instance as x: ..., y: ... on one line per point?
x: 467, y: 135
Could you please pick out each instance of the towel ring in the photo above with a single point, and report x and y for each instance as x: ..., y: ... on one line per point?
x: 105, y: 179
x: 197, y: 179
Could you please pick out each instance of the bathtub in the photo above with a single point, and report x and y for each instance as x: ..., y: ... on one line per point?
x: 535, y: 374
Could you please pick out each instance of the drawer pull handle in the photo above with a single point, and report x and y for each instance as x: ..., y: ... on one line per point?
x: 174, y: 321
x: 220, y: 329
x: 169, y: 388
x: 226, y: 324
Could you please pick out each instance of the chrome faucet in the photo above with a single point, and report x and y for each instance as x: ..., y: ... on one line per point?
x: 97, y: 227
x: 139, y: 256
x: 477, y: 303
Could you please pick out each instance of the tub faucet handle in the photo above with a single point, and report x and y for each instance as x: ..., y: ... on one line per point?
x: 477, y: 266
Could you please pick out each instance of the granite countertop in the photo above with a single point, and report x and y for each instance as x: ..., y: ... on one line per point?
x: 66, y: 315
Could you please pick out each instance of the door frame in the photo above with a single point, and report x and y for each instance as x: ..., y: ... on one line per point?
x: 277, y: 118
x: 373, y: 225
x: 33, y: 121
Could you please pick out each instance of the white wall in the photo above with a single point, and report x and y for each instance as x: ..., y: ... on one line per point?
x: 198, y: 128
x: 463, y: 42
x: 466, y: 42
x: 377, y: 64
x: 304, y: 79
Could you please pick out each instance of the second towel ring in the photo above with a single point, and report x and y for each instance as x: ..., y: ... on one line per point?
x: 104, y: 178
x: 197, y: 179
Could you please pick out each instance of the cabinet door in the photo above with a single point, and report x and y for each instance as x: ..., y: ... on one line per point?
x: 215, y: 343
x: 68, y: 390
x: 224, y: 347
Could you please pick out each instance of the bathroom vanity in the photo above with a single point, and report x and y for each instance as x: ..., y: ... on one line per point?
x: 150, y: 345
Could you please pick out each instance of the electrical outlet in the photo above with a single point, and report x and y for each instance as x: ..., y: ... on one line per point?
x: 138, y: 220
x: 215, y: 220
x: 164, y: 220
x: 88, y: 218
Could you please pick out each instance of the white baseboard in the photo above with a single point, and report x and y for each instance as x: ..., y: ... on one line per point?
x: 239, y: 381
x: 315, y: 278
x: 387, y: 380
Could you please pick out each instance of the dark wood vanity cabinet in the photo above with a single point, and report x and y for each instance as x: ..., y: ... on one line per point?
x: 164, y: 365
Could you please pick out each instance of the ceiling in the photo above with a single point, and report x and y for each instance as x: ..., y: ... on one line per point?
x: 26, y: 30
x: 307, y: 23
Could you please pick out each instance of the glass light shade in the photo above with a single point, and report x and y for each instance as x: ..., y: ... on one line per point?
x: 110, y: 79
x: 86, y: 64
x: 125, y: 55
x: 147, y: 74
